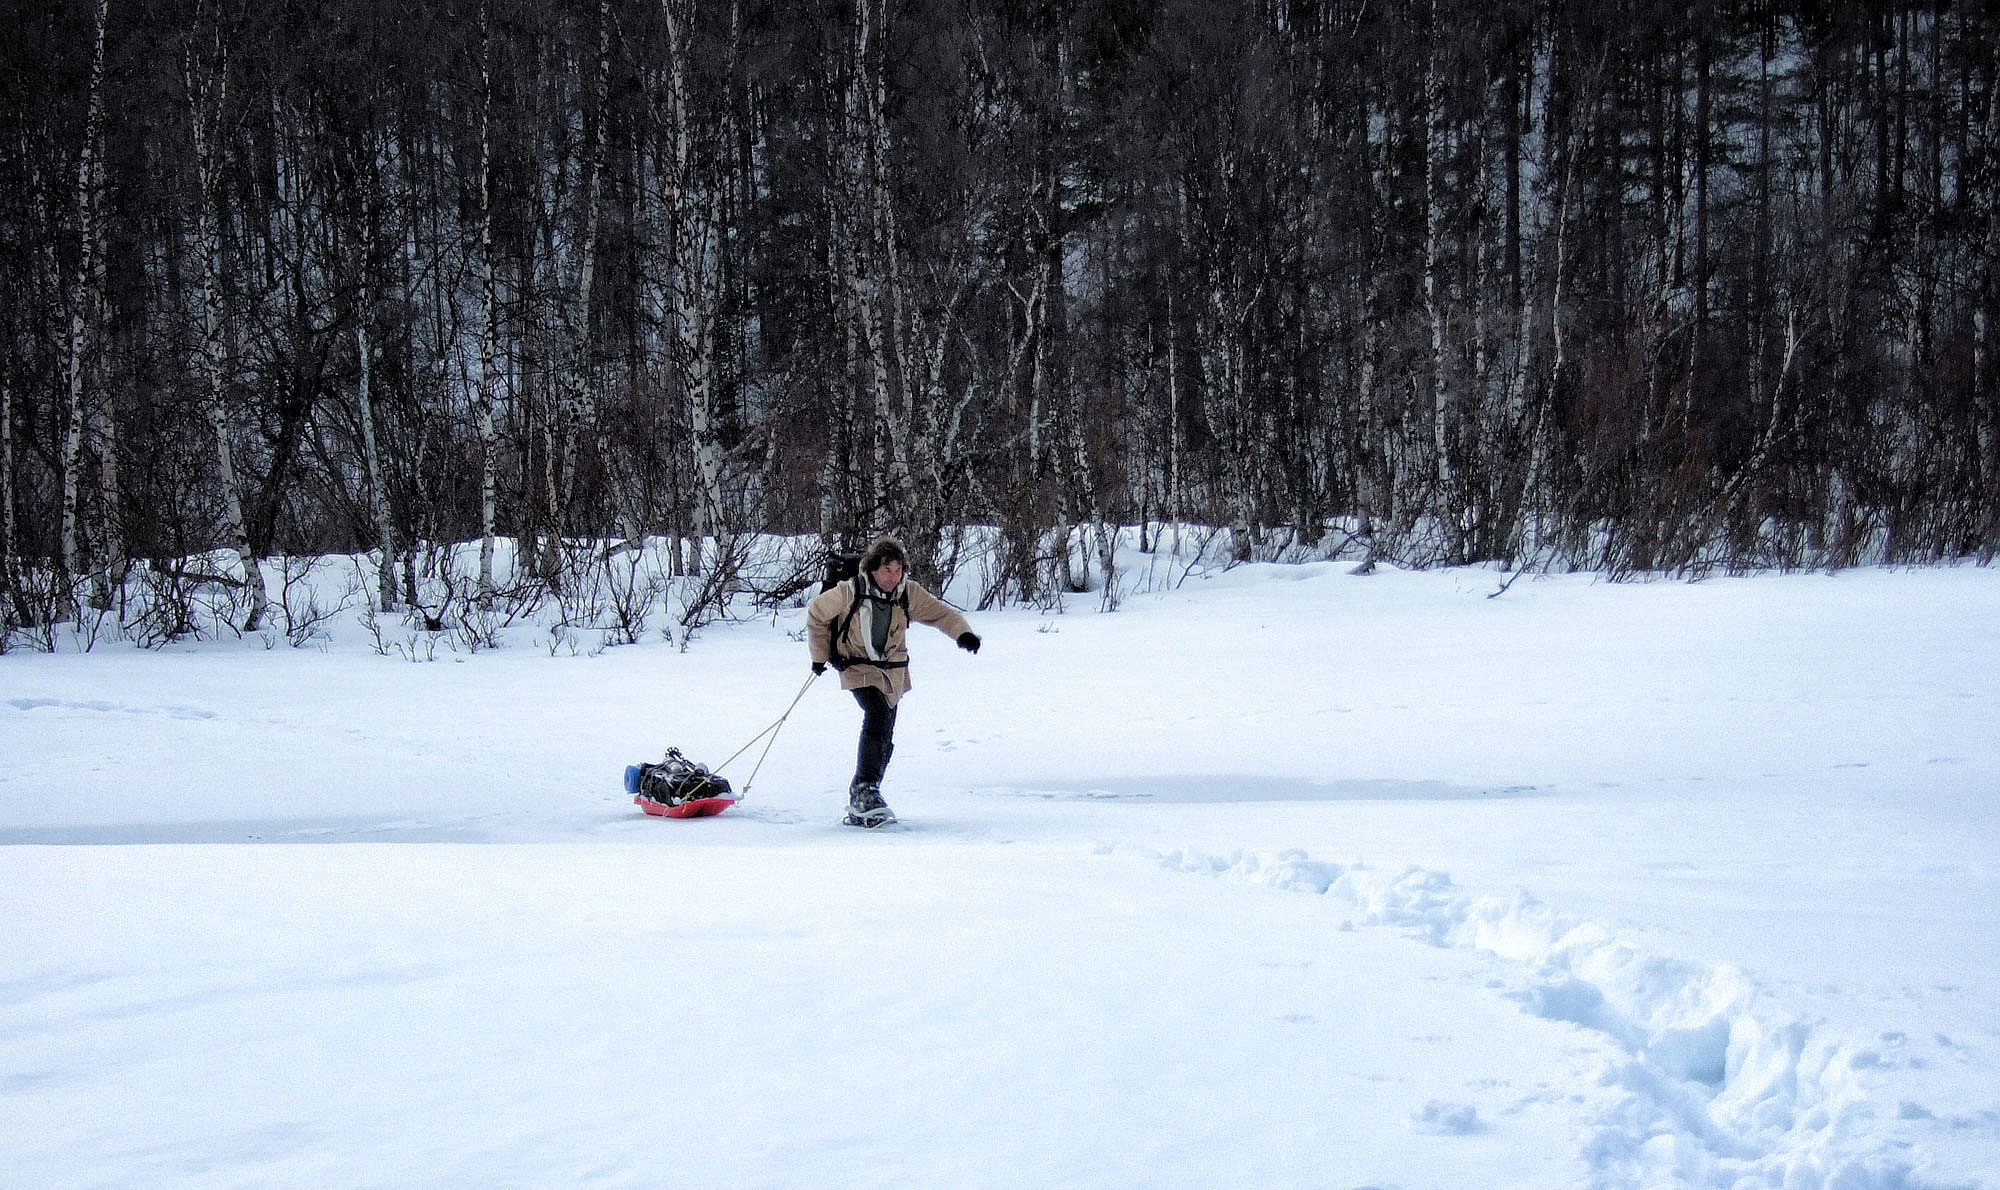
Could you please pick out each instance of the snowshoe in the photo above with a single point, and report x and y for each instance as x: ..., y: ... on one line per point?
x: 865, y: 807
x: 677, y: 787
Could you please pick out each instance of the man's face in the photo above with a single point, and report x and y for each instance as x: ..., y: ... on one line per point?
x: 887, y: 575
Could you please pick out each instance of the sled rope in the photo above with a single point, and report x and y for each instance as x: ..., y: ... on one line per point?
x: 771, y: 731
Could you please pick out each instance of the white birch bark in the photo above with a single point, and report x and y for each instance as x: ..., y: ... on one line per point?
x: 697, y: 300
x: 1081, y: 487
x: 1225, y: 400
x: 1369, y: 483
x: 1173, y: 495
x: 936, y: 449
x: 1989, y: 424
x: 489, y: 438
x: 1523, y: 420
x: 207, y: 96
x: 896, y: 418
x: 111, y: 558
x: 10, y: 529
x: 837, y: 496
x: 578, y: 402
x: 1434, y: 169
x: 85, y: 297
x: 378, y: 497
x: 1526, y: 429
x: 862, y: 221
x: 378, y: 491
x: 1245, y: 527
x: 693, y: 287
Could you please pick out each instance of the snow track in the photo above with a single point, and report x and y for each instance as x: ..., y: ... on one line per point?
x: 1719, y: 1086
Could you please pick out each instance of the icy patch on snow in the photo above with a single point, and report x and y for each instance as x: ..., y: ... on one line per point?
x: 104, y: 707
x: 1230, y: 789
x: 1718, y: 1085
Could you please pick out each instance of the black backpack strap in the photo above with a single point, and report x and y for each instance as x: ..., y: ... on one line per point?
x: 841, y: 625
x: 841, y: 660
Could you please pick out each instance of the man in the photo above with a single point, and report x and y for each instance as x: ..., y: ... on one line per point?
x: 857, y: 627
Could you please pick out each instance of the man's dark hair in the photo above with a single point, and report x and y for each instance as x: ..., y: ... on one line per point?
x: 884, y: 551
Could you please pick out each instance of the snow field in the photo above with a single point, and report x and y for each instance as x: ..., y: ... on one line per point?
x: 1283, y: 877
x: 506, y: 1015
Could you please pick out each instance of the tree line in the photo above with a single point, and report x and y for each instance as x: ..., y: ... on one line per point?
x: 1597, y: 283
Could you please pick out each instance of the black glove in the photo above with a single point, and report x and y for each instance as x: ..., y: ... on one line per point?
x: 969, y: 641
x: 819, y: 667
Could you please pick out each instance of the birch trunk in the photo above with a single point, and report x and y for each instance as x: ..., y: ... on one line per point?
x: 85, y: 297
x: 609, y: 453
x: 1698, y: 335
x: 1024, y: 355
x: 1080, y: 495
x: 1519, y: 425
x: 696, y: 302
x: 872, y: 263
x: 1173, y: 492
x: 378, y: 493
x: 105, y: 579
x: 1434, y: 170
x: 899, y: 417
x: 208, y: 97
x: 1246, y: 526
x: 1524, y: 412
x: 10, y: 529
x: 1225, y: 402
x: 1370, y: 482
x: 1982, y: 371
x: 860, y: 461
x: 232, y: 500
x: 577, y: 403
x: 838, y: 498
x: 489, y: 438
x: 695, y: 244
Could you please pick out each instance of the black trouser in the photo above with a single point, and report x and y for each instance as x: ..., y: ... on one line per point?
x: 878, y: 735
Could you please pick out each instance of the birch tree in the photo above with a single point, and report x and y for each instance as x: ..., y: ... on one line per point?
x: 89, y: 414
x: 693, y: 269
x: 485, y: 396
x: 12, y: 563
x: 577, y: 402
x: 206, y: 77
x: 856, y: 231
x: 1985, y: 377
x: 364, y: 397
x: 1436, y: 149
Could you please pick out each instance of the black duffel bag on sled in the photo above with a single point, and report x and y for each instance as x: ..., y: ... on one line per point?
x: 677, y: 787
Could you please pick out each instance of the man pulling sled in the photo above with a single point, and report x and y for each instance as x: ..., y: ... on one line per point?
x: 857, y: 626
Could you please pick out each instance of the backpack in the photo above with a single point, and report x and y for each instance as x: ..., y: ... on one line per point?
x: 839, y: 568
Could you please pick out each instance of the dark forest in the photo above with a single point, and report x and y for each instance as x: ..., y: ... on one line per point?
x: 1604, y: 284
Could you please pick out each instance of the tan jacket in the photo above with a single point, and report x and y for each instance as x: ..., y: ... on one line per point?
x: 826, y: 611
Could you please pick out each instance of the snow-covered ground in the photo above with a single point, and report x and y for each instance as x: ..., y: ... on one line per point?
x: 1281, y: 877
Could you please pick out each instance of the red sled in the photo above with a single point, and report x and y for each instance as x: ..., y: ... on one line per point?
x: 677, y: 788
x: 698, y: 808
